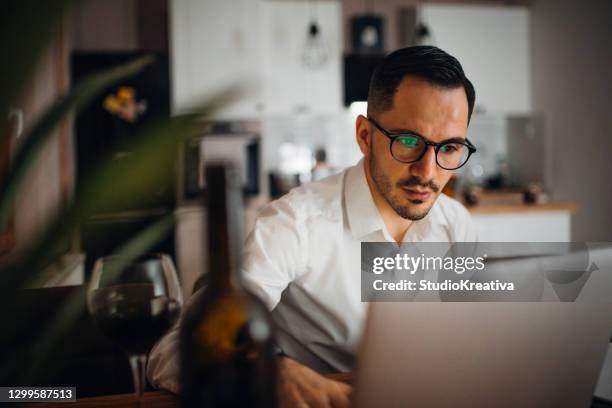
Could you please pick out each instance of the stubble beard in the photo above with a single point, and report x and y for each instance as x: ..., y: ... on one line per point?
x: 385, y: 187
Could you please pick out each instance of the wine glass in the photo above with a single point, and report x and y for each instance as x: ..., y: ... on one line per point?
x: 134, y: 303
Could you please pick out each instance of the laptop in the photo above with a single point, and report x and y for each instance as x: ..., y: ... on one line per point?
x: 482, y: 354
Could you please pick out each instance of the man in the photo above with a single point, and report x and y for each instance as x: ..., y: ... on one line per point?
x: 303, y: 255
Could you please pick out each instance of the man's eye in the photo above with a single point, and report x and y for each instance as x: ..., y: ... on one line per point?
x: 409, y: 141
x: 449, y: 148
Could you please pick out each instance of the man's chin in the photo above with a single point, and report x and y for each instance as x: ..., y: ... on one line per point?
x: 414, y: 211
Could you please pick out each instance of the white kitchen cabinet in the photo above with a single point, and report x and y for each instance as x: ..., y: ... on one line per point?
x: 216, y: 44
x: 492, y: 44
x: 288, y: 85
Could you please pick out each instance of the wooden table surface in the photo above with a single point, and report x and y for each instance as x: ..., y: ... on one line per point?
x: 154, y: 399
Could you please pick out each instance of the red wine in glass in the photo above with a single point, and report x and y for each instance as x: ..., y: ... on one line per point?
x: 134, y: 303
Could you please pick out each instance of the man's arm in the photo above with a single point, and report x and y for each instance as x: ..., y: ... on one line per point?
x: 300, y: 386
x: 274, y: 252
x: 163, y: 365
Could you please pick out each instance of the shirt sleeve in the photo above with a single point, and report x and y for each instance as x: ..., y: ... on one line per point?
x: 272, y: 258
x: 163, y: 365
x: 274, y: 252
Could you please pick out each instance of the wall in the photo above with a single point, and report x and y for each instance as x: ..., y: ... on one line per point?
x: 49, y: 180
x: 106, y: 24
x: 40, y: 194
x: 572, y: 62
x: 127, y: 25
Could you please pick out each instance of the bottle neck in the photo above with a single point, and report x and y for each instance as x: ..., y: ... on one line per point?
x: 224, y: 227
x: 223, y: 263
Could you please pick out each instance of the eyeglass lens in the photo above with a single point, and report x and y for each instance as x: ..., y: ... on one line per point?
x: 410, y: 148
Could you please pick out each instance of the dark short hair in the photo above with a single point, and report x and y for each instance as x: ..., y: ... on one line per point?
x: 426, y: 62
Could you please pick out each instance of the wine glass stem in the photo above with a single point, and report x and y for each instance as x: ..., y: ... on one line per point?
x: 138, y: 362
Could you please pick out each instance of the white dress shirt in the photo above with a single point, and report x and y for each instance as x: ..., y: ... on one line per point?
x: 303, y: 259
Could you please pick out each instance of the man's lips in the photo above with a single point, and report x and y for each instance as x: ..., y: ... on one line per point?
x: 421, y: 195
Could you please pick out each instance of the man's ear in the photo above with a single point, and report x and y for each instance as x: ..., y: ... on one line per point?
x: 363, y: 134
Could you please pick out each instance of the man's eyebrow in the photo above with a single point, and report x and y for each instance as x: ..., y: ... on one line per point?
x: 397, y: 132
x: 454, y: 139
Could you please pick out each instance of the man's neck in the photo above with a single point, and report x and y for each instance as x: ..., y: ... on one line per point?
x: 396, y: 225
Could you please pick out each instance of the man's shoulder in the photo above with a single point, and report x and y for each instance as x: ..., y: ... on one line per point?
x: 456, y: 218
x: 322, y: 196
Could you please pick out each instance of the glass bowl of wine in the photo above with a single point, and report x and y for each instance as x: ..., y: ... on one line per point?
x: 134, y: 302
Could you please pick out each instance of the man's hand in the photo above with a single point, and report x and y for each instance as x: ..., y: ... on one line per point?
x: 301, y: 387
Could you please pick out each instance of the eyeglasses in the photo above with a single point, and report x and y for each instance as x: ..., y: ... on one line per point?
x: 407, y: 147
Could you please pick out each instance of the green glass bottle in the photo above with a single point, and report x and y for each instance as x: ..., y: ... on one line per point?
x: 227, y: 340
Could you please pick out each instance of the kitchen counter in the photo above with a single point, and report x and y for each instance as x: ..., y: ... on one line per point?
x: 503, y: 217
x: 512, y: 202
x: 490, y: 208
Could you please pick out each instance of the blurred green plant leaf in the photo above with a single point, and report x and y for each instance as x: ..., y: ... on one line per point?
x: 41, y: 132
x: 153, y: 158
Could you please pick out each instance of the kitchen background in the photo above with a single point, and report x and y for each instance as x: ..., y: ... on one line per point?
x: 541, y: 71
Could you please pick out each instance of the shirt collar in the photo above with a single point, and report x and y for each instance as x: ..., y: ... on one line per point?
x: 363, y: 216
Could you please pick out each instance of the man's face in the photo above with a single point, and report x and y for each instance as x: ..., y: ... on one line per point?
x: 437, y: 114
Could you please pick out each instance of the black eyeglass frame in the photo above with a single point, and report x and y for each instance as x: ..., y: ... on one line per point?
x: 437, y: 146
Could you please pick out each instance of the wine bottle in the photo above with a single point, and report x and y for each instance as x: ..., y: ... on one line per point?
x: 227, y: 345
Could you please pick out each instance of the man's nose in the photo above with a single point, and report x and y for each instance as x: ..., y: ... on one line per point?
x: 426, y: 167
